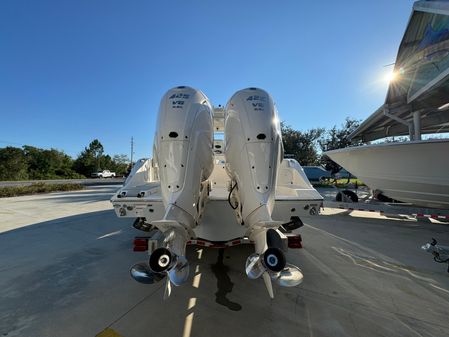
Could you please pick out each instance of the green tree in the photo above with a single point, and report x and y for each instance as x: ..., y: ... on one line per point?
x: 337, y: 138
x: 121, y: 162
x: 302, y: 145
x: 106, y: 163
x: 89, y: 160
x: 97, y: 150
x: 13, y: 164
x: 48, y: 164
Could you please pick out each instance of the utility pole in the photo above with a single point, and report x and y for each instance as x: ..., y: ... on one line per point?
x: 132, y: 151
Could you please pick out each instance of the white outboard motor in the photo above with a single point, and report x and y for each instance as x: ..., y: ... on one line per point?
x: 183, y: 151
x: 253, y: 151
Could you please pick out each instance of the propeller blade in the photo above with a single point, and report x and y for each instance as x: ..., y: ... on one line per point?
x: 253, y: 267
x: 267, y: 280
x: 269, y: 261
x: 142, y: 273
x: 291, y: 276
x: 180, y: 272
x: 167, y: 291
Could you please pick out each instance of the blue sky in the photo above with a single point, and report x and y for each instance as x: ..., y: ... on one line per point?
x: 72, y: 71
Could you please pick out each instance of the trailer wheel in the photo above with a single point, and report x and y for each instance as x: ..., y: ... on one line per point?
x: 347, y: 195
x: 382, y: 197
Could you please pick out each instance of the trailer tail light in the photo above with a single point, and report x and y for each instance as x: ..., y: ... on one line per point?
x: 140, y: 245
x: 294, y: 241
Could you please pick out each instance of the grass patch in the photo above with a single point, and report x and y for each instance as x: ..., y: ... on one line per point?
x: 15, y: 191
x: 340, y: 183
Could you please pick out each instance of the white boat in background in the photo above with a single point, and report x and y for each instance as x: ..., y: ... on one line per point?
x: 415, y: 172
x: 417, y: 103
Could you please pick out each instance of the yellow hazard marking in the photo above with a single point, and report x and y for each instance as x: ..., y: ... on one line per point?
x: 108, y: 332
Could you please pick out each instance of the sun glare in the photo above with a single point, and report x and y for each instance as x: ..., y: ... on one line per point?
x: 391, y: 77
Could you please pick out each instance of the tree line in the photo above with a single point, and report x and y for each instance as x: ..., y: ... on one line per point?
x: 307, y: 147
x: 32, y: 163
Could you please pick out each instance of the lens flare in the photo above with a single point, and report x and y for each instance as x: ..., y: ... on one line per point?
x: 391, y: 77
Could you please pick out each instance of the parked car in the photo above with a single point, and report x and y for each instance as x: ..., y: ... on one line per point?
x: 103, y: 174
x: 316, y: 173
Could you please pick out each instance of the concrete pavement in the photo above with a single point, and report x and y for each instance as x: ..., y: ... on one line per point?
x: 22, y: 211
x: 68, y: 276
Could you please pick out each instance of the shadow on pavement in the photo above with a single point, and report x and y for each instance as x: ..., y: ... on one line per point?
x: 70, y: 277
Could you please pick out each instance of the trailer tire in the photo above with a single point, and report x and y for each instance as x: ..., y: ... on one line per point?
x: 382, y: 197
x: 348, y: 195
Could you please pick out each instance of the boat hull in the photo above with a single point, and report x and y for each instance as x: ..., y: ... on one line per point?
x: 414, y: 172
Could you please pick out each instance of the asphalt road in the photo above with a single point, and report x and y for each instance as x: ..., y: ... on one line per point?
x: 68, y: 276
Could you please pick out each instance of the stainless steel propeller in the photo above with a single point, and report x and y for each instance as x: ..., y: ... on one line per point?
x: 162, y: 263
x: 270, y: 263
x: 288, y: 276
x: 142, y: 273
x: 180, y: 272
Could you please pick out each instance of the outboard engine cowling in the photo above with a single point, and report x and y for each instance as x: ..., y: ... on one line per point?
x: 183, y: 150
x: 184, y: 157
x: 253, y: 151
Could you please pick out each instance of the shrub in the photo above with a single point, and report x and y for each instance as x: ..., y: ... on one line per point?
x: 14, y: 191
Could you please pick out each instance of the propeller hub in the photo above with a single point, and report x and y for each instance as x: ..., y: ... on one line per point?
x: 274, y: 259
x: 161, y: 260
x: 164, y: 260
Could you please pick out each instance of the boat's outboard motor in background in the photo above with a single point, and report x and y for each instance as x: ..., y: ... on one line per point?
x: 253, y: 151
x: 183, y: 151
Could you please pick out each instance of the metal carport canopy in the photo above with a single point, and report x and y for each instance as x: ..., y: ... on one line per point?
x: 422, y: 84
x: 379, y: 126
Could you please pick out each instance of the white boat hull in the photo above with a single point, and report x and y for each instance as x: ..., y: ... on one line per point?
x: 294, y: 197
x: 414, y: 172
